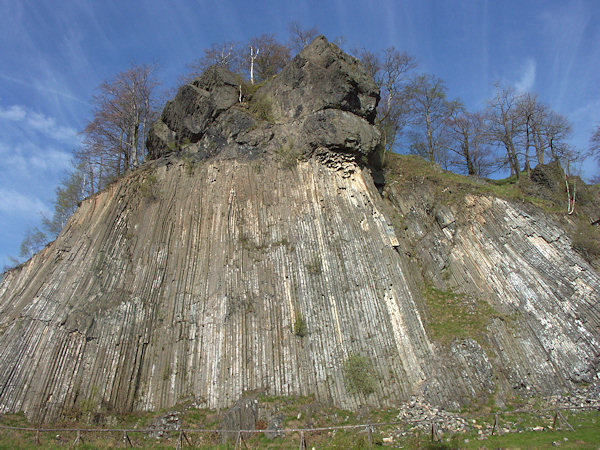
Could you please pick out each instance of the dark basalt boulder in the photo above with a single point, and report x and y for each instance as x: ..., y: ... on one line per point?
x: 339, y: 130
x: 322, y: 77
x: 187, y: 117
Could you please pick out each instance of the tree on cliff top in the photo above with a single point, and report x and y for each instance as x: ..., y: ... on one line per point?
x: 389, y: 70
x: 300, y: 37
x: 595, y: 149
x: 114, y: 140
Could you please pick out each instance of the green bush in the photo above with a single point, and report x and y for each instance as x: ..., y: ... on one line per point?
x: 148, y: 187
x: 314, y: 267
x: 585, y: 240
x: 261, y: 107
x: 359, y: 375
x: 189, y: 164
x: 289, y: 154
x: 300, y: 328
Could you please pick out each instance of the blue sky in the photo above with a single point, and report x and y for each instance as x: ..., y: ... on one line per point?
x: 54, y: 53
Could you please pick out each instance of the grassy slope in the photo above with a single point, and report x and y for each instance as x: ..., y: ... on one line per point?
x: 303, y: 412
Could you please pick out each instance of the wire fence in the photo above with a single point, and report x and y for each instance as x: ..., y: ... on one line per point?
x: 190, y: 437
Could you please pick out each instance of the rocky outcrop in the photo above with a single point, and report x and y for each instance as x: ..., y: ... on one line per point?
x: 323, y: 101
x: 223, y: 268
x: 322, y: 77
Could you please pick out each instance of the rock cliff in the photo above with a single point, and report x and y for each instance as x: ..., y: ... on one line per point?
x: 255, y: 253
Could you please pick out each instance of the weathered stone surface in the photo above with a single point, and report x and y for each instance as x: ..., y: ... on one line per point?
x: 322, y: 77
x: 187, y: 117
x: 543, y: 335
x: 339, y: 130
x: 243, y: 415
x: 323, y: 99
x: 193, y: 294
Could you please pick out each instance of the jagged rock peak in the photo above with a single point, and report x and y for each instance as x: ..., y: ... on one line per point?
x: 322, y: 102
x: 323, y: 77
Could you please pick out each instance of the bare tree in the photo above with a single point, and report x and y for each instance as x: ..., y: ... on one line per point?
x: 595, y: 143
x: 370, y: 61
x: 227, y: 54
x: 505, y: 124
x: 123, y: 111
x: 390, y: 74
x: 468, y: 142
x: 34, y: 240
x: 395, y: 104
x: 556, y: 128
x: 267, y: 57
x: 430, y: 110
x: 300, y: 37
x: 594, y: 150
x: 528, y: 108
x: 254, y: 52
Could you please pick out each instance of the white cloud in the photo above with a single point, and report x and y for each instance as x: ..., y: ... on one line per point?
x: 38, y: 122
x: 52, y: 159
x: 15, y: 113
x: 527, y: 76
x: 13, y: 202
x: 27, y: 157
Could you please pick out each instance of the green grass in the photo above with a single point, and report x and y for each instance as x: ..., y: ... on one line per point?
x: 314, y: 266
x: 288, y: 155
x: 412, y: 170
x: 146, y: 184
x: 359, y: 375
x: 586, y: 433
x: 261, y: 107
x: 454, y: 316
x: 304, y: 412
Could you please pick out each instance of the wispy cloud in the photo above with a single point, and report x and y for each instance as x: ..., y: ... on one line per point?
x: 38, y: 122
x: 14, y: 113
x: 23, y: 158
x: 527, y: 76
x: 16, y: 203
x: 43, y: 88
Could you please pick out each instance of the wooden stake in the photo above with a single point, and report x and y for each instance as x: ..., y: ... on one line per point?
x: 495, y: 427
x: 434, y: 433
x: 239, y: 441
x: 78, y: 439
x: 126, y: 440
x: 302, y: 441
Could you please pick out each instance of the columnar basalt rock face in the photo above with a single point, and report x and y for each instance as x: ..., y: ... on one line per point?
x: 543, y: 334
x: 184, y: 281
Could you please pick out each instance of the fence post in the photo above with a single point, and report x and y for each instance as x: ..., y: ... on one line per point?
x: 370, y: 432
x: 302, y: 441
x: 179, y: 441
x: 495, y: 427
x: 78, y: 439
x: 434, y: 433
x: 562, y: 420
x: 37, y: 437
x: 239, y: 441
x: 126, y: 439
x: 186, y: 438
